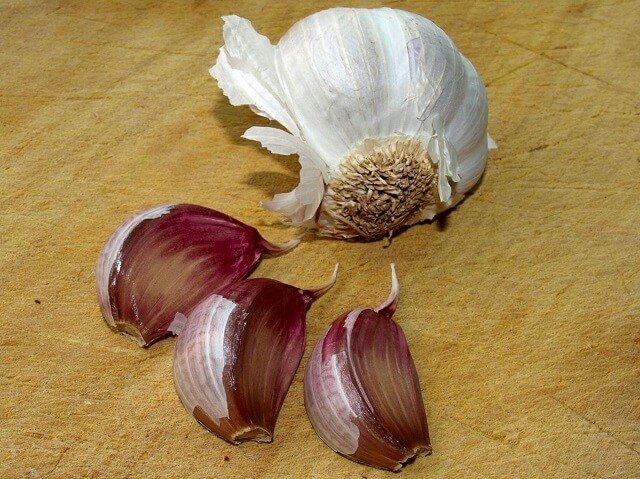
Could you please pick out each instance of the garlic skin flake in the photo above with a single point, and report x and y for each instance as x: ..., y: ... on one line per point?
x: 237, y: 353
x: 166, y: 259
x: 388, y: 118
x: 361, y: 389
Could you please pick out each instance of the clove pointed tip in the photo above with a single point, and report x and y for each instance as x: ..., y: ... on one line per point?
x: 314, y: 294
x: 389, y: 306
x: 277, y: 249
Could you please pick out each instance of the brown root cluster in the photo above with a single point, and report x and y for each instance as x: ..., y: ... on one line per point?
x: 379, y: 188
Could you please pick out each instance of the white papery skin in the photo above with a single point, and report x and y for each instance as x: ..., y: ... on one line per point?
x: 199, y: 358
x: 111, y: 249
x: 344, y: 81
x: 329, y: 395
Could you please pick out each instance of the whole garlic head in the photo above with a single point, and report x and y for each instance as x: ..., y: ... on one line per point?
x: 388, y: 118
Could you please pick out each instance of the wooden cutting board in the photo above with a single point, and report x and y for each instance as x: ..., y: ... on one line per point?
x: 521, y: 306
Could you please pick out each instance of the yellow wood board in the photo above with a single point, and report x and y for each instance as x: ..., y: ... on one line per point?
x: 521, y: 307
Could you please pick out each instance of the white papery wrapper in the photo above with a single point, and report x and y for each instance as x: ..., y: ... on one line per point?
x: 345, y: 77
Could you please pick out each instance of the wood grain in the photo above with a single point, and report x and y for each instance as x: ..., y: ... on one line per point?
x: 521, y: 307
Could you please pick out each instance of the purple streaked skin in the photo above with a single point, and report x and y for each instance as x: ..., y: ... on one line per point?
x: 362, y: 392
x: 165, y: 260
x: 237, y: 354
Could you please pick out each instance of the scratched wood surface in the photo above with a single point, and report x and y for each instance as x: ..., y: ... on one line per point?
x: 522, y: 306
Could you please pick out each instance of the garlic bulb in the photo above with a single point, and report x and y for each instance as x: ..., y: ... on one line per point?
x: 166, y: 259
x: 388, y: 118
x: 237, y: 353
x: 361, y: 389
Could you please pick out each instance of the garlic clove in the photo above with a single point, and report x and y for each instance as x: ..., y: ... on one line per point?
x: 166, y: 259
x: 362, y: 392
x: 388, y: 118
x: 237, y: 354
x: 388, y: 378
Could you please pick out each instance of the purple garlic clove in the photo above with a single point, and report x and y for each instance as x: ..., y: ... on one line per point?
x: 237, y: 353
x: 362, y: 392
x: 167, y: 259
